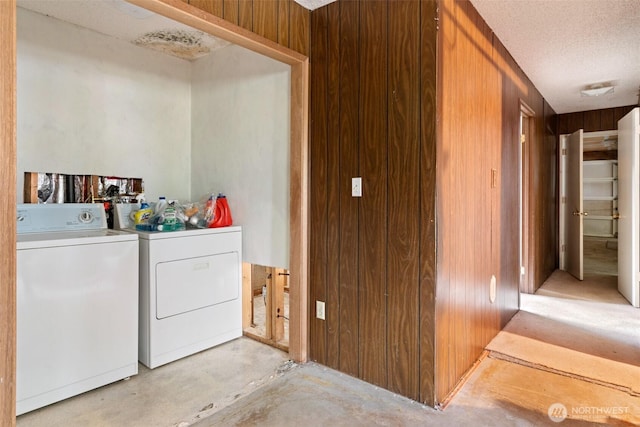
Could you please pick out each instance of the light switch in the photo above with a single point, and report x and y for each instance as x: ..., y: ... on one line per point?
x: 356, y: 187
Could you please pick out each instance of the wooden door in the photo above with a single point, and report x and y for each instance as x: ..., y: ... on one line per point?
x: 629, y: 206
x: 574, y: 223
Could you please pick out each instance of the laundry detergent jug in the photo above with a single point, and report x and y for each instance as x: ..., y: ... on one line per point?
x: 222, y: 216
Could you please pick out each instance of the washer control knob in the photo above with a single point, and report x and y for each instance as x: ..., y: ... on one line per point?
x: 85, y: 217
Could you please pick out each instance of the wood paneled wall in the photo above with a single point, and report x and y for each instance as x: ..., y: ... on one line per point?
x: 373, y: 114
x: 479, y: 100
x: 8, y: 211
x: 592, y: 120
x: 282, y: 21
x: 372, y: 259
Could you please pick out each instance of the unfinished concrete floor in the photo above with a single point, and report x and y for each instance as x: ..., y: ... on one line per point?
x: 245, y: 383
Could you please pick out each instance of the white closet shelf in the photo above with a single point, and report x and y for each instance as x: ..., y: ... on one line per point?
x: 601, y: 198
x: 607, y: 179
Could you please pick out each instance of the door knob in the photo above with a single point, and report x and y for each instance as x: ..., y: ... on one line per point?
x: 616, y: 216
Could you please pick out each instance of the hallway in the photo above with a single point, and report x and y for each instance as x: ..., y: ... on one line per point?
x: 572, y: 344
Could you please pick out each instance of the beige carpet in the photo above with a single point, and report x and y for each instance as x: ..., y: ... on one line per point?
x: 583, y: 330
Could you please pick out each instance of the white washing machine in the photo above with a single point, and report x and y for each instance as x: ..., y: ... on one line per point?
x: 77, y: 303
x: 190, y: 290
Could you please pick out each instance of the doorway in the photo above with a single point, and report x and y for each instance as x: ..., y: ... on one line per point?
x: 596, y: 245
x: 526, y: 136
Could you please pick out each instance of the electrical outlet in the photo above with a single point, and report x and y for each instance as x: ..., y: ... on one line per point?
x: 320, y: 310
x: 493, y: 289
x: 356, y: 187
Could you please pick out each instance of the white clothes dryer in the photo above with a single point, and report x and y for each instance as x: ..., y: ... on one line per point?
x: 190, y: 290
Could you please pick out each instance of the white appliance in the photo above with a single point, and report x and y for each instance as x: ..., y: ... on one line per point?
x: 190, y: 290
x: 77, y: 303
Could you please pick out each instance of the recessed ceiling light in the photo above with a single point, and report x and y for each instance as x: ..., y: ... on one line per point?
x: 597, y: 90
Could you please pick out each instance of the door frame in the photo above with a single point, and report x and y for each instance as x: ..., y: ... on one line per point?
x: 299, y: 181
x: 8, y: 174
x: 298, y: 167
x: 526, y: 136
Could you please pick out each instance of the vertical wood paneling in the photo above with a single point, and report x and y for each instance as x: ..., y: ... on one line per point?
x: 563, y: 124
x: 299, y: 36
x: 8, y: 210
x: 349, y: 72
x: 575, y: 121
x: 265, y: 18
x: 427, y: 182
x: 403, y: 198
x: 549, y: 249
x: 318, y: 251
x: 230, y: 11
x: 284, y: 7
x: 335, y: 186
x: 507, y: 251
x: 282, y: 21
x: 245, y: 14
x: 214, y: 7
x: 444, y: 209
x: 373, y: 204
x: 607, y: 121
x: 620, y: 112
x: 479, y: 93
x: 385, y: 112
x: 592, y: 120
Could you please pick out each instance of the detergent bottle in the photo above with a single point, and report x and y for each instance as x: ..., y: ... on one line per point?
x: 222, y: 217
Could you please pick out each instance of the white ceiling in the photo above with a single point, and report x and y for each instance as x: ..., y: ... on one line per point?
x: 565, y: 45
x: 313, y: 4
x: 562, y: 45
x: 124, y: 21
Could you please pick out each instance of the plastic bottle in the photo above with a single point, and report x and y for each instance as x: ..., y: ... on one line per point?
x: 170, y: 219
x: 222, y: 216
x: 209, y: 210
x: 142, y: 215
x: 161, y: 205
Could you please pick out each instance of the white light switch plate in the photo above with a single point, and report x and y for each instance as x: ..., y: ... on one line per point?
x: 356, y: 187
x: 320, y: 310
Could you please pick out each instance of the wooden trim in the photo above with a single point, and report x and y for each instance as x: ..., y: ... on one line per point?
x: 216, y: 26
x: 526, y: 129
x: 247, y: 296
x: 264, y: 340
x: 182, y: 12
x: 8, y: 211
x: 298, y: 247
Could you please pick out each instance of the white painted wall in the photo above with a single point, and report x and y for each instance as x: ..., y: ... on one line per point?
x: 240, y: 146
x: 92, y: 104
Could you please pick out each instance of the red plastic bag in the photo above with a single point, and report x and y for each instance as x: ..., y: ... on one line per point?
x: 222, y: 216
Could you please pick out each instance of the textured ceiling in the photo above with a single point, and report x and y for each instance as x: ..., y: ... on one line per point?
x: 562, y: 45
x: 565, y: 45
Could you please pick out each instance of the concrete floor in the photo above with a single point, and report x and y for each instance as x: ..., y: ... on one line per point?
x: 247, y: 383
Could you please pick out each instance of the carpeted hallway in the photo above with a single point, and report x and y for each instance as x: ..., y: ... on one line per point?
x: 571, y: 355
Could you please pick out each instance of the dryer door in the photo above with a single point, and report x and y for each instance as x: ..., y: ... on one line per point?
x: 194, y: 283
